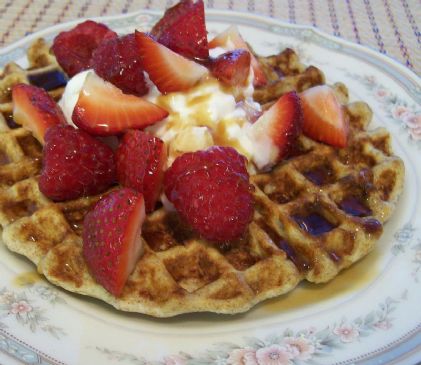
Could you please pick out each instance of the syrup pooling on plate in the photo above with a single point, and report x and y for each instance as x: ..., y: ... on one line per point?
x: 226, y: 277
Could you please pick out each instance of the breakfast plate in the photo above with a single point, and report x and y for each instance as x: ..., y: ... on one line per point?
x: 368, y: 314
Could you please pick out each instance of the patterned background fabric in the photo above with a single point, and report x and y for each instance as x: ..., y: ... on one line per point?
x: 391, y: 27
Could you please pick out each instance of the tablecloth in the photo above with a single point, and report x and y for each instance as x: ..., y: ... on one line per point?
x: 390, y: 26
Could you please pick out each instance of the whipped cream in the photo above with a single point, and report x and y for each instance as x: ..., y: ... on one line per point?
x: 71, y: 94
x: 207, y: 114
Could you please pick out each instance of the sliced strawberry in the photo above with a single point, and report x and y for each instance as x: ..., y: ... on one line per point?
x: 35, y: 110
x: 231, y: 39
x: 183, y: 29
x: 276, y: 131
x: 232, y: 67
x: 140, y: 161
x: 324, y: 116
x: 168, y: 70
x: 112, y: 242
x: 73, y: 48
x: 102, y: 109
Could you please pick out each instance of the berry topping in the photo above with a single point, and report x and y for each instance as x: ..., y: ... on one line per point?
x: 183, y: 29
x: 324, y: 116
x: 74, y: 164
x: 117, y: 61
x: 232, y: 67
x: 140, y: 160
x: 102, y: 109
x: 210, y: 189
x: 112, y: 242
x: 168, y: 70
x: 231, y: 39
x: 73, y: 49
x: 276, y: 131
x: 35, y: 110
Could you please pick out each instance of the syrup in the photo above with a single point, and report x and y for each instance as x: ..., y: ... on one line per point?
x: 314, y: 223
x: 49, y: 80
x: 354, y: 206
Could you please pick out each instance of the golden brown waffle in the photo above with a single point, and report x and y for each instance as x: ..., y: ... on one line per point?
x: 350, y: 192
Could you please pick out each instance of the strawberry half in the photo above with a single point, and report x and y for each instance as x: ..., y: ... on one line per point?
x: 140, y: 160
x: 183, y: 29
x: 324, y: 116
x: 231, y: 39
x: 73, y: 48
x: 35, y: 109
x: 102, y: 109
x: 112, y: 242
x: 276, y: 131
x: 75, y: 164
x: 168, y: 70
x: 232, y: 67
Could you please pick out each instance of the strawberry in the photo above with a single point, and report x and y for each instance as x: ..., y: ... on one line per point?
x: 183, y: 29
x: 74, y: 164
x: 168, y: 70
x: 35, y: 110
x: 232, y: 67
x: 117, y: 61
x: 73, y: 48
x: 324, y: 116
x: 210, y: 189
x: 277, y: 129
x: 102, y: 109
x: 231, y: 39
x: 140, y: 159
x: 112, y: 242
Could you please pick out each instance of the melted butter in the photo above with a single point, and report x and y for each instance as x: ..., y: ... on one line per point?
x: 350, y: 280
x: 26, y: 278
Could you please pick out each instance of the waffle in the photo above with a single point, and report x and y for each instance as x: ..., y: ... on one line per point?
x: 315, y: 214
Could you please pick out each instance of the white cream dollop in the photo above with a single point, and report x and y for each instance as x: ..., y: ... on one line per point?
x: 71, y: 94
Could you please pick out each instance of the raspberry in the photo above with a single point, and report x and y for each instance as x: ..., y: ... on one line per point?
x: 74, y: 164
x: 73, y: 49
x: 210, y: 189
x: 118, y: 61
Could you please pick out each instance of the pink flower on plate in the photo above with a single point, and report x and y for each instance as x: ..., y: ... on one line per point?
x: 174, y: 360
x: 303, y: 348
x: 347, y: 333
x: 413, y: 121
x: 274, y: 355
x: 245, y: 356
x: 381, y: 93
x: 383, y: 324
x: 20, y: 307
x: 400, y: 111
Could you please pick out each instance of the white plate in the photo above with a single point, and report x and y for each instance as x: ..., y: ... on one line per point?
x: 370, y: 314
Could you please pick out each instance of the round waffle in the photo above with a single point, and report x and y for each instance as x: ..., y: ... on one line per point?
x: 315, y: 214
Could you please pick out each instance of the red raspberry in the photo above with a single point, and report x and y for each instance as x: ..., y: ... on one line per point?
x: 74, y: 164
x: 210, y: 189
x: 118, y: 61
x: 73, y: 49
